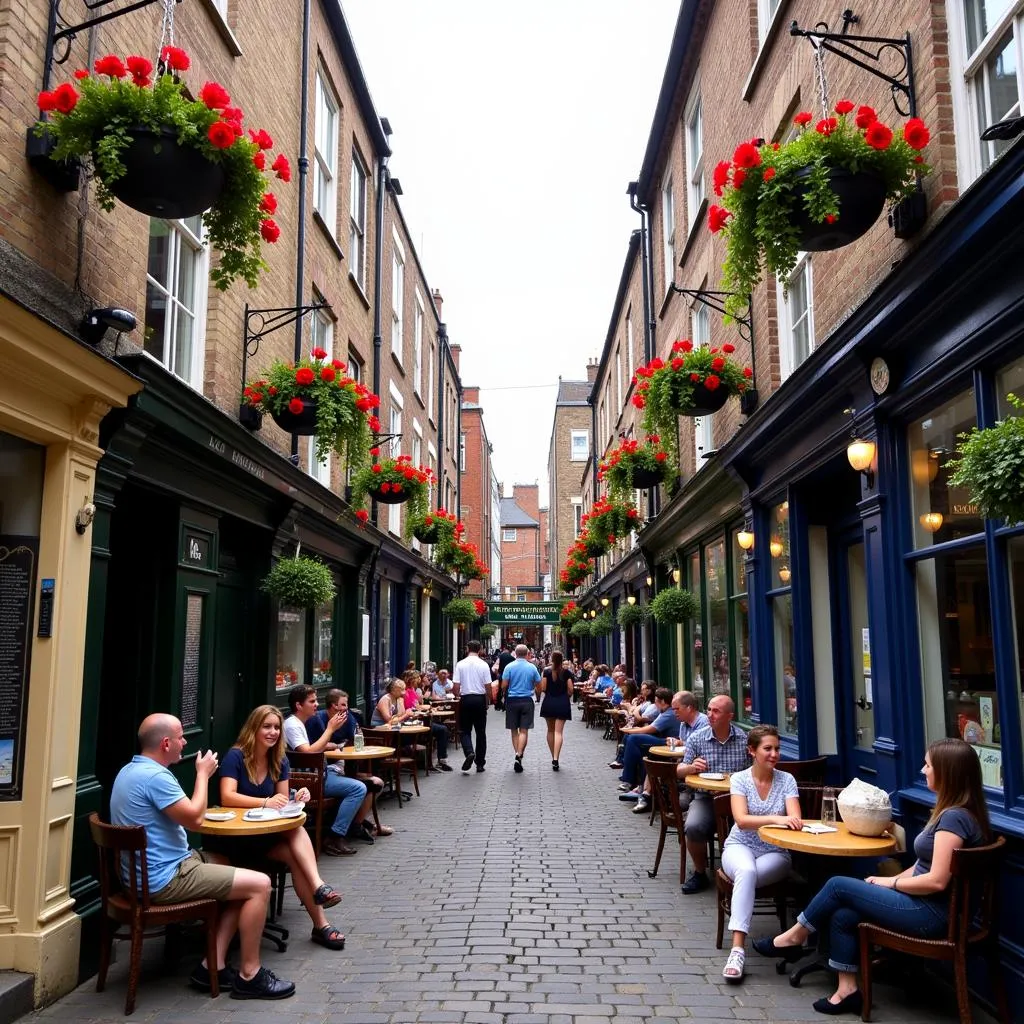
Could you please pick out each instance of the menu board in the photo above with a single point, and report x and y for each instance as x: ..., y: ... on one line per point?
x: 19, y: 557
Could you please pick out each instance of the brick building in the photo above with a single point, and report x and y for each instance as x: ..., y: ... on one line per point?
x: 477, y: 477
x: 521, y: 543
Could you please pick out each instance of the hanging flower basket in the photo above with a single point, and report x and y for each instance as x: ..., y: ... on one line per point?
x: 821, y: 190
x: 602, y: 625
x: 593, y: 546
x: 293, y: 420
x: 149, y: 144
x: 460, y: 610
x: 487, y: 630
x: 634, y: 464
x: 462, y: 559
x: 570, y: 613
x: 608, y: 521
x: 580, y: 628
x: 393, y: 482
x: 673, y: 606
x: 577, y: 568
x: 299, y: 583
x: 631, y: 614
x: 436, y: 527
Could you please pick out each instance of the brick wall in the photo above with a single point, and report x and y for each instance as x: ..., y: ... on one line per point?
x: 564, y: 482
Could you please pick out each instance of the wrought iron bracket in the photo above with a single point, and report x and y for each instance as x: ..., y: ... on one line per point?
x: 382, y: 439
x: 715, y: 300
x: 861, y: 49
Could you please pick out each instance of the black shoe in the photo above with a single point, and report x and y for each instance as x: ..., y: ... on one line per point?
x: 444, y: 766
x: 518, y: 764
x: 365, y: 831
x: 263, y: 984
x: 479, y: 767
x: 853, y: 1003
x: 200, y: 978
x: 697, y: 882
x: 643, y: 805
x: 766, y: 947
x: 554, y: 764
x: 468, y: 763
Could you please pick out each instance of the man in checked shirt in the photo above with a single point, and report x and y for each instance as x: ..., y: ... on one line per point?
x: 718, y: 747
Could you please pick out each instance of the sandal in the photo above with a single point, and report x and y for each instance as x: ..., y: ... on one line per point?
x: 326, y: 896
x: 385, y: 830
x: 733, y: 969
x: 328, y: 936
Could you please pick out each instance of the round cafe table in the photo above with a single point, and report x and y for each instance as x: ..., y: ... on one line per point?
x: 708, y: 785
x: 841, y: 843
x: 238, y: 826
x: 675, y: 753
x: 368, y: 753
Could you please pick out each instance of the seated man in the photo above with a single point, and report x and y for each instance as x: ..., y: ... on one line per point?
x: 639, y: 739
x: 147, y: 793
x: 442, y: 685
x: 691, y: 718
x: 720, y: 746
x: 351, y: 793
x: 344, y: 736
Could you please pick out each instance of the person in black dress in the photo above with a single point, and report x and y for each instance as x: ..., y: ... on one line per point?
x: 556, y: 685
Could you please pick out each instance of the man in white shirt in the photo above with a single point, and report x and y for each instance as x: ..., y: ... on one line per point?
x: 473, y: 687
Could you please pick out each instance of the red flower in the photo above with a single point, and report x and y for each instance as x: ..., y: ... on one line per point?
x: 746, y: 155
x: 748, y: 372
x: 268, y: 204
x: 65, y: 96
x: 878, y: 135
x: 327, y: 373
x: 376, y: 468
x: 338, y: 364
x: 282, y: 168
x: 830, y: 218
x: 81, y: 73
x: 318, y: 353
x: 295, y: 406
x: 397, y: 488
x: 711, y: 382
x: 270, y: 231
x: 769, y: 173
x: 47, y: 101
x: 804, y: 117
x: 272, y: 390
x: 375, y: 451
x: 720, y: 176
x: 683, y: 346
x: 373, y: 423
x: 221, y: 135
x: 827, y: 125
x: 718, y: 363
x: 638, y: 401
x: 304, y: 376
x: 234, y: 116
x: 677, y: 363
x: 385, y: 487
x: 728, y: 349
x: 660, y: 457
x: 717, y: 218
x: 261, y: 138
x: 844, y: 107
x: 139, y: 67
x: 915, y: 132
x: 695, y: 378
x: 175, y: 58
x: 110, y: 66
x: 865, y: 116
x: 738, y: 177
x: 260, y: 160
x: 362, y: 515
x: 214, y: 95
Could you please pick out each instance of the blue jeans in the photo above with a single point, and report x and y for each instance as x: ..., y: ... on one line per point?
x: 351, y: 793
x: 844, y: 902
x: 636, y: 746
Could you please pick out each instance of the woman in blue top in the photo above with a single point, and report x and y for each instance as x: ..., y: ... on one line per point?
x: 915, y: 901
x: 254, y: 773
x: 760, y: 795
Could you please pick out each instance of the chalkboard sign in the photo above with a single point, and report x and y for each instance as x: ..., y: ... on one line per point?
x: 19, y: 557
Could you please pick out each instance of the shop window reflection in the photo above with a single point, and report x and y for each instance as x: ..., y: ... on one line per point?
x: 785, y: 672
x: 740, y: 629
x: 718, y: 616
x: 696, y: 633
x: 323, y: 674
x: 291, y: 647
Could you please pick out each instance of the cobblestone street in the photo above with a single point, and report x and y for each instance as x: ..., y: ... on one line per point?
x: 504, y: 899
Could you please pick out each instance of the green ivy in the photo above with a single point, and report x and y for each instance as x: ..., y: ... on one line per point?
x: 632, y: 614
x: 460, y: 610
x: 602, y: 625
x: 300, y: 583
x: 580, y: 628
x: 674, y: 606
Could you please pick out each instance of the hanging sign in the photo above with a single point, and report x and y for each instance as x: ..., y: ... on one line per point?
x: 543, y: 613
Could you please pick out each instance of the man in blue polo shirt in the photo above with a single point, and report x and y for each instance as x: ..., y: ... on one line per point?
x: 518, y: 682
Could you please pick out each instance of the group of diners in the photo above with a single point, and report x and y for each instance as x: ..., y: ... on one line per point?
x: 915, y: 901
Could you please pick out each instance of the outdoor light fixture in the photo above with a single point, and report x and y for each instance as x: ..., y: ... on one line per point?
x: 593, y: 613
x: 776, y: 547
x: 931, y: 521
x: 924, y: 465
x: 95, y: 323
x: 745, y: 539
x: 631, y: 599
x: 676, y: 575
x: 1003, y: 131
x: 84, y: 516
x: 785, y: 574
x: 862, y: 457
x: 649, y: 581
x: 604, y: 602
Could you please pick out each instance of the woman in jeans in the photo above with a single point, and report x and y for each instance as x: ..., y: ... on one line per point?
x: 913, y: 902
x: 759, y: 795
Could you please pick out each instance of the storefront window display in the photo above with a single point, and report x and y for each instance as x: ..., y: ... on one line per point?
x: 718, y: 616
x: 781, y: 596
x: 291, y: 647
x: 384, y: 638
x: 738, y: 608
x: 323, y: 674
x: 695, y: 632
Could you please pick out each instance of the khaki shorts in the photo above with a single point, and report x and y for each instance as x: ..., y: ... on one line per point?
x: 197, y: 879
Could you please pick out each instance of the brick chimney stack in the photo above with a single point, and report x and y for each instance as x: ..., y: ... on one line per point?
x: 592, y: 368
x: 456, y: 352
x: 438, y: 303
x: 527, y: 497
x: 471, y: 396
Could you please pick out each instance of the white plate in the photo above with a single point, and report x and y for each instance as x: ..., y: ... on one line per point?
x: 219, y: 815
x: 713, y: 776
x: 258, y: 814
x: 292, y: 810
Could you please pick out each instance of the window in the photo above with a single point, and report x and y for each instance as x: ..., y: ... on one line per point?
x: 738, y: 606
x: 222, y: 8
x: 417, y: 452
x: 355, y: 366
x: 987, y: 38
x: 417, y: 342
x: 695, y: 632
x: 321, y: 330
x: 702, y: 441
x: 579, y: 445
x: 323, y: 674
x: 668, y: 232
x: 508, y: 536
x: 176, y: 297
x: 781, y: 597
x: 694, y: 160
x: 765, y: 15
x: 397, y: 297
x: 629, y: 344
x: 291, y: 647
x: 432, y: 466
x: 357, y: 222
x: 431, y: 356
x: 325, y: 154
x: 395, y: 428
x: 796, y: 317
x: 718, y: 616
x: 577, y: 516
x: 462, y: 452
x: 618, y: 377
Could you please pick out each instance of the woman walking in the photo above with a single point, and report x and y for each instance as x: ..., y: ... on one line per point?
x: 556, y: 686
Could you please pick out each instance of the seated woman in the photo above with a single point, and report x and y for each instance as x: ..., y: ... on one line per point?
x: 759, y: 795
x: 254, y: 773
x: 393, y: 707
x: 914, y: 901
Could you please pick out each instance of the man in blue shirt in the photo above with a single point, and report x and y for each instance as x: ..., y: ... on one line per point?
x: 518, y: 682
x: 147, y: 793
x: 690, y: 718
x: 639, y: 739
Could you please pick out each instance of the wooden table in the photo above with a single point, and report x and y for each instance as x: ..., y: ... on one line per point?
x: 368, y: 753
x: 708, y: 785
x: 673, y: 752
x: 238, y: 826
x: 841, y: 843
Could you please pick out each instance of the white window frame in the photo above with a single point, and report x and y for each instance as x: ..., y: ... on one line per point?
x: 417, y: 458
x: 395, y: 427
x: 419, y: 315
x: 355, y: 366
x: 325, y: 153
x: 668, y: 231
x: 432, y: 466
x: 700, y: 323
x: 629, y: 346
x: 462, y: 451
x: 574, y: 436
x: 788, y: 361
x: 767, y: 11
x: 222, y: 8
x: 358, y: 182
x: 431, y: 374
x: 180, y: 233
x: 973, y: 157
x: 577, y: 515
x: 703, y: 440
x: 321, y: 335
x: 695, y: 187
x: 618, y: 376
x: 508, y: 535
x: 397, y: 296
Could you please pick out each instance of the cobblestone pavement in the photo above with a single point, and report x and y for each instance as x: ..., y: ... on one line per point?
x: 504, y: 899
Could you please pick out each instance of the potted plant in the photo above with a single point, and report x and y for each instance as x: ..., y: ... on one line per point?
x: 990, y: 465
x: 149, y: 144
x: 393, y: 481
x: 673, y: 605
x: 634, y: 464
x: 463, y: 559
x: 570, y: 613
x: 609, y: 520
x: 821, y: 190
x: 316, y: 397
x: 299, y: 582
x: 481, y: 607
x: 580, y: 628
x: 437, y: 527
x: 460, y: 610
x: 577, y: 568
x: 602, y: 625
x: 631, y: 614
x: 487, y: 630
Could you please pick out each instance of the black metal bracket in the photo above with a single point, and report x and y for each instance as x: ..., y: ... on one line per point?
x: 714, y: 300
x: 382, y: 439
x: 859, y: 49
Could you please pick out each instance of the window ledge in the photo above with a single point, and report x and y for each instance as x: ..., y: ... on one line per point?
x: 359, y: 289
x: 757, y: 68
x: 319, y: 220
x: 691, y: 238
x: 397, y: 362
x: 223, y: 28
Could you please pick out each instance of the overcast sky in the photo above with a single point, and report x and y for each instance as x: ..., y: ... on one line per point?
x: 516, y: 130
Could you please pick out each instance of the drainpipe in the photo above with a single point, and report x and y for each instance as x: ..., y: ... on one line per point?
x: 647, y: 281
x: 442, y: 363
x: 458, y: 449
x: 378, y: 271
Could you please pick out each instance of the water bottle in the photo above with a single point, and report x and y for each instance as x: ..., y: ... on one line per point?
x: 828, y: 806
x: 358, y: 741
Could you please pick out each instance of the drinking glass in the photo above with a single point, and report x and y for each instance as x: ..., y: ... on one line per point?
x: 828, y: 806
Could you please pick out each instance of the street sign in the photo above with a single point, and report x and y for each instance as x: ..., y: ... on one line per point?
x: 544, y: 613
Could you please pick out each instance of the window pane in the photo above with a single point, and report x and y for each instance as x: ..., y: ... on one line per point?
x: 741, y: 630
x: 156, y: 321
x: 184, y: 332
x: 291, y: 647
x: 1010, y: 381
x: 785, y: 672
x: 979, y: 17
x: 696, y: 635
x: 718, y: 617
x: 778, y: 547
x: 1016, y: 550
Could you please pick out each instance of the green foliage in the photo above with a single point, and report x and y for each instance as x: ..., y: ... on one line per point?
x: 96, y: 131
x: 300, y: 583
x: 461, y: 610
x: 394, y: 476
x: 602, y: 625
x: 487, y: 630
x: 991, y: 466
x: 570, y: 613
x: 607, y: 521
x: 632, y: 614
x: 618, y: 468
x: 672, y: 605
x: 580, y: 628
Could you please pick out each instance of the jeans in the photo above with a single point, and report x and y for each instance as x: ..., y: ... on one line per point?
x: 351, y: 793
x: 473, y: 718
x: 844, y: 902
x: 440, y: 734
x: 747, y: 872
x: 637, y: 745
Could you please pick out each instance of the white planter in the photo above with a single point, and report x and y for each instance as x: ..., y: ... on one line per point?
x: 861, y: 820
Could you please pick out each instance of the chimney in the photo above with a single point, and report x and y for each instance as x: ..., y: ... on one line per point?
x: 527, y: 497
x: 456, y: 351
x: 592, y: 367
x: 471, y: 396
x: 438, y: 303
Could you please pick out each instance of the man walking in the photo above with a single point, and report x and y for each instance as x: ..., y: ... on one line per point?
x: 473, y: 687
x: 501, y: 662
x: 518, y: 683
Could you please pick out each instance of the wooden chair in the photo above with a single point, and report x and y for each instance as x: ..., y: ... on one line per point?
x: 768, y: 899
x: 812, y: 771
x: 307, y: 769
x: 974, y: 883
x: 665, y: 790
x: 124, y: 905
x: 397, y: 762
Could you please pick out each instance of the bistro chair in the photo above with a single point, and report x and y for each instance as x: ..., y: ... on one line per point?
x: 973, y: 927
x: 307, y: 769
x: 665, y: 790
x: 768, y: 899
x: 397, y: 763
x: 811, y: 772
x: 122, y: 904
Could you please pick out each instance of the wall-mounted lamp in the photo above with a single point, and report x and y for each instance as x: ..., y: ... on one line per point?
x: 776, y: 547
x: 676, y: 575
x: 593, y: 613
x: 604, y: 602
x: 745, y: 539
x: 84, y: 517
x: 650, y: 581
x: 95, y: 323
x: 428, y: 589
x: 784, y: 574
x: 862, y: 457
x: 931, y: 521
x: 631, y: 599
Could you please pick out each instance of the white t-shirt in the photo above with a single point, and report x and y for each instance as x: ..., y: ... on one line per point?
x: 295, y: 734
x: 473, y: 675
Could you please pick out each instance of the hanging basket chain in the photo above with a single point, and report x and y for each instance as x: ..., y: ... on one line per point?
x: 819, y: 65
x: 166, y: 28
